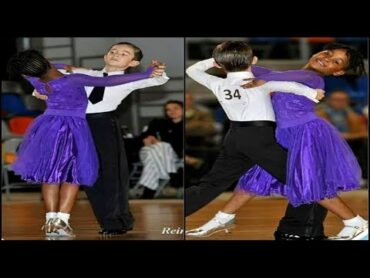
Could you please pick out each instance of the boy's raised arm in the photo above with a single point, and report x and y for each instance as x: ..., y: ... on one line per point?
x: 198, y: 73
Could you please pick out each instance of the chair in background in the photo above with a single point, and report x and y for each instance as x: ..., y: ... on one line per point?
x: 12, y: 104
x: 19, y: 125
x: 6, y: 133
x: 8, y: 156
x: 137, y: 190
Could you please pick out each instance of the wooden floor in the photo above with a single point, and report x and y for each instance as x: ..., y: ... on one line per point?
x: 23, y: 216
x: 259, y: 219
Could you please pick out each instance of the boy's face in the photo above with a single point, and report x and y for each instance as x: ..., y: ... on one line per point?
x: 330, y: 62
x: 174, y: 111
x: 121, y: 56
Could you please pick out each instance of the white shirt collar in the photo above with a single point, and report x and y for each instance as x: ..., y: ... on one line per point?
x: 240, y: 74
x: 114, y: 72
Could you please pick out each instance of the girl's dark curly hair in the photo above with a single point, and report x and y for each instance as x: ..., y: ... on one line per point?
x: 29, y: 62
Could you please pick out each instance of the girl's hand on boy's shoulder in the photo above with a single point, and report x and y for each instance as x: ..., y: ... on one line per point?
x: 69, y: 68
x: 252, y: 82
x: 159, y: 68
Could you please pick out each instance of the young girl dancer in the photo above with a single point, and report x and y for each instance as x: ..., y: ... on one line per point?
x: 58, y: 150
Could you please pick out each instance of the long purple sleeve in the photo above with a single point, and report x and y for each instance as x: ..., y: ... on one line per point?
x: 301, y: 76
x: 108, y: 81
x: 35, y: 83
x: 305, y: 77
x: 257, y: 71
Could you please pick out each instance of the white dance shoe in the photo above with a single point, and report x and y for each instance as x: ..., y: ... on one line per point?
x: 49, y: 228
x: 62, y: 228
x: 353, y: 233
x: 215, y: 225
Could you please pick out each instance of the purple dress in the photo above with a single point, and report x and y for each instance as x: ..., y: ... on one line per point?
x: 58, y: 146
x: 320, y: 163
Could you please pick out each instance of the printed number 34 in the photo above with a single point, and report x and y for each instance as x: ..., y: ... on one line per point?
x: 229, y: 95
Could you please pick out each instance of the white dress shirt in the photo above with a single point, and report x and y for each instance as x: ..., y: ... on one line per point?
x: 113, y: 96
x: 240, y: 104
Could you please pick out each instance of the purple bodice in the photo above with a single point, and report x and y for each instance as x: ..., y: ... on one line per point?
x: 291, y: 109
x: 67, y: 95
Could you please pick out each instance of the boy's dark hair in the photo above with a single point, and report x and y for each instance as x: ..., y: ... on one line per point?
x: 180, y: 103
x: 356, y: 65
x: 28, y: 62
x: 138, y: 54
x: 233, y: 55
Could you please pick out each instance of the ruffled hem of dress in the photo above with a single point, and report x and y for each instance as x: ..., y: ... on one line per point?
x: 306, y: 202
x: 32, y: 180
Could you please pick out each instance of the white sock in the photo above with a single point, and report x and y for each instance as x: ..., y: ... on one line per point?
x: 64, y: 216
x: 355, y: 221
x: 50, y: 215
x: 224, y: 217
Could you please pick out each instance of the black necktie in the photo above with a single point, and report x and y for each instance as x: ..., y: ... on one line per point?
x: 97, y: 93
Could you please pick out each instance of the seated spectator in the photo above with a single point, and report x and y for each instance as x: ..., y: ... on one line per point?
x: 200, y: 125
x: 163, y: 149
x: 351, y: 125
x: 200, y: 130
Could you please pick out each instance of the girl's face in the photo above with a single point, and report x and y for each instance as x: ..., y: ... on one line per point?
x: 174, y: 111
x: 330, y: 62
x: 120, y: 56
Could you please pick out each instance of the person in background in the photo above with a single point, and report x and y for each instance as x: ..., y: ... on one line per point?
x: 163, y: 148
x: 352, y: 126
x: 199, y: 131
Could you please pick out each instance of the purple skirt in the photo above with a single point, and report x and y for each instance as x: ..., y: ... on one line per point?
x: 320, y: 164
x: 57, y: 149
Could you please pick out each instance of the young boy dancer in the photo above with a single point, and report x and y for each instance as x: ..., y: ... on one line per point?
x: 251, y: 138
x: 305, y: 222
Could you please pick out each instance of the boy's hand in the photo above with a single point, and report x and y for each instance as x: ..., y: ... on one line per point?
x: 253, y: 83
x: 159, y: 68
x: 37, y: 95
x: 69, y: 68
x: 153, y: 63
x: 320, y: 94
x: 157, y: 63
x: 157, y: 72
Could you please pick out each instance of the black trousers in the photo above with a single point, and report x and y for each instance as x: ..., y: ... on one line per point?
x: 109, y: 195
x: 243, y: 148
x: 305, y: 220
